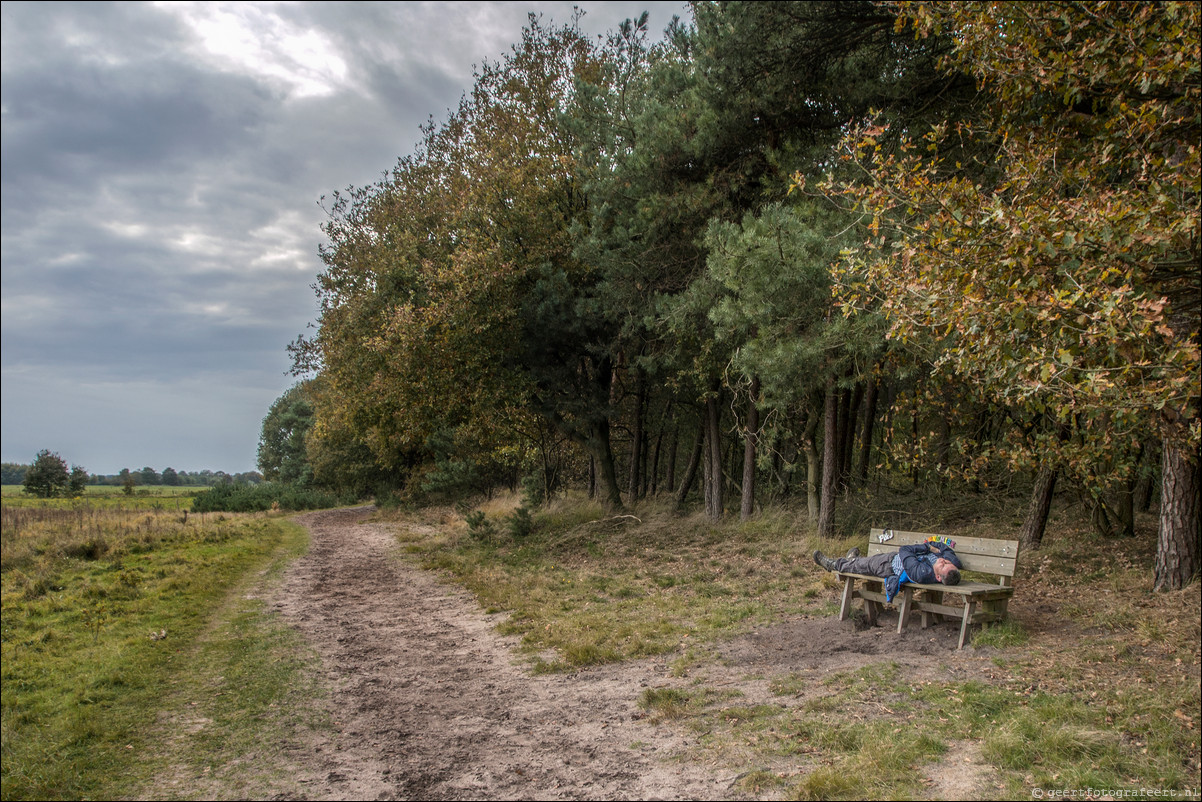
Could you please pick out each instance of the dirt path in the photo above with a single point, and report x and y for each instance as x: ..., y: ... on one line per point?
x: 431, y: 703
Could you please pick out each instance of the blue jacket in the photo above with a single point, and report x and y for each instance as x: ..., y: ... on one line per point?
x: 918, y: 565
x: 919, y: 560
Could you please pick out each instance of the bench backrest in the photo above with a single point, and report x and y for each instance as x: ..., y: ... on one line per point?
x: 982, y: 554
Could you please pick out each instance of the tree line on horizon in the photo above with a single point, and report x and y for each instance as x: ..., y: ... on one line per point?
x: 787, y: 249
x: 52, y: 465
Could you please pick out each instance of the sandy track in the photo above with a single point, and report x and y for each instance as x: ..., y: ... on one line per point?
x: 430, y: 703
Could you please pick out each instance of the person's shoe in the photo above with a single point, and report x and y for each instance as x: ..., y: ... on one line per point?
x: 824, y: 561
x: 853, y: 552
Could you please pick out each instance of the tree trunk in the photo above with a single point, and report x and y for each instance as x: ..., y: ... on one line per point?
x: 599, y: 447
x: 830, y: 459
x: 866, y: 438
x: 811, y: 452
x: 849, y: 437
x: 670, y: 481
x: 1143, y: 489
x: 733, y: 462
x: 1126, y: 509
x: 888, y: 443
x: 1177, y: 547
x: 1100, y: 518
x: 636, y: 437
x: 780, y: 479
x: 842, y: 408
x: 713, y: 459
x: 651, y: 479
x: 690, y: 472
x: 747, y: 507
x: 1142, y: 499
x: 1041, y: 504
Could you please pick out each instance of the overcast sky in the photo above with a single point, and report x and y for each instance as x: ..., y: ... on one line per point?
x: 162, y: 165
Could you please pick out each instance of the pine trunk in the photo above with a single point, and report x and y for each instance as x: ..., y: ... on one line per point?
x: 747, y: 506
x: 690, y: 472
x: 599, y: 447
x: 651, y: 480
x: 636, y: 439
x: 713, y: 460
x: 866, y: 437
x: 830, y: 460
x: 812, y: 463
x: 670, y: 480
x: 849, y: 437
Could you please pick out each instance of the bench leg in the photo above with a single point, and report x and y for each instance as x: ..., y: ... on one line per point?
x: 969, y: 606
x: 872, y: 609
x: 931, y: 618
x: 845, y: 606
x: 904, y: 615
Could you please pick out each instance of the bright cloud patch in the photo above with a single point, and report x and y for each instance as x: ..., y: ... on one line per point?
x: 254, y: 40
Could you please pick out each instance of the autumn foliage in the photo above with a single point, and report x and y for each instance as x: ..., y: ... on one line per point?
x: 1049, y: 244
x: 788, y: 247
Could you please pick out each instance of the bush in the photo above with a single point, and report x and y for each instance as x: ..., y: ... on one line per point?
x: 520, y: 523
x: 478, y: 525
x: 533, y: 491
x: 259, y: 498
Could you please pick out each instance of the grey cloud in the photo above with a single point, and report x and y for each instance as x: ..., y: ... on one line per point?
x: 160, y: 215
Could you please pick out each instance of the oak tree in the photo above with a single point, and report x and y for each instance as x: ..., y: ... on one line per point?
x: 1060, y: 273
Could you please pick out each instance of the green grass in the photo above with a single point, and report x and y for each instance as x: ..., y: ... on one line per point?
x: 102, y: 614
x: 226, y: 724
x: 1001, y: 635
x: 669, y: 703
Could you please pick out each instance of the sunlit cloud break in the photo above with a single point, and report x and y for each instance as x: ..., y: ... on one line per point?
x: 254, y: 40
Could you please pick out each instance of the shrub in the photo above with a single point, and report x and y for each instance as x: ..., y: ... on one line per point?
x: 520, y: 523
x: 478, y: 525
x: 259, y: 498
x: 533, y: 491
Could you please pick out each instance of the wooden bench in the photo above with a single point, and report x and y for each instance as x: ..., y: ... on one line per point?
x: 982, y: 602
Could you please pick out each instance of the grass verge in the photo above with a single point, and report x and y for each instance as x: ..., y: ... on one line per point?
x: 102, y: 617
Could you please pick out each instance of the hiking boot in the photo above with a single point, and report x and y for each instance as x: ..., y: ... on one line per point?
x: 853, y: 552
x: 824, y: 561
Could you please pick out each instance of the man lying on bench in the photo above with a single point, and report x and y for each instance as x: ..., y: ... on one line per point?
x: 921, y: 563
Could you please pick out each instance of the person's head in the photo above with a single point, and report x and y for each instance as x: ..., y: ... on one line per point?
x: 946, y: 572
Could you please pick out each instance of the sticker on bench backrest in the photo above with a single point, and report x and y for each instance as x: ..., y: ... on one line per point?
x: 885, y: 536
x: 944, y: 539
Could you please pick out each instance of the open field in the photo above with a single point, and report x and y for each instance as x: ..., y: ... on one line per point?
x: 15, y: 494
x: 18, y: 491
